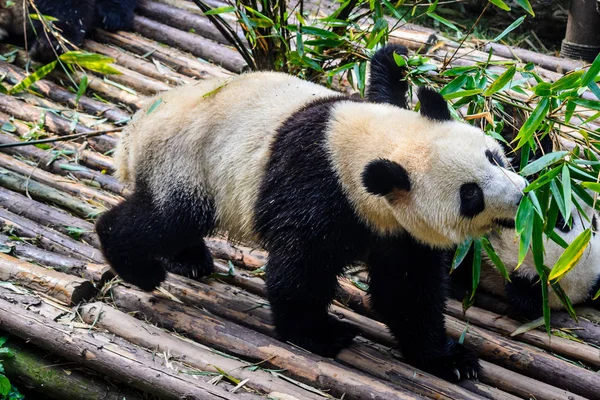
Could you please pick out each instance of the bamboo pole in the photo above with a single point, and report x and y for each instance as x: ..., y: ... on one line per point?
x: 138, y: 369
x: 234, y: 339
x: 138, y: 64
x: 52, y: 122
x: 46, y: 161
x: 48, y: 238
x: 50, y: 376
x: 180, y: 61
x: 65, y: 288
x: 97, y: 273
x: 142, y: 334
x: 63, y: 96
x: 197, y: 45
x: 47, y: 216
x: 21, y: 184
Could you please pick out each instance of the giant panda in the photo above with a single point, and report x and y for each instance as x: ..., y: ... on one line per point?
x: 320, y: 180
x: 74, y: 18
x: 523, y: 292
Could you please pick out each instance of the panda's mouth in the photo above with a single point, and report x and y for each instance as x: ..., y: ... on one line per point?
x: 505, y: 222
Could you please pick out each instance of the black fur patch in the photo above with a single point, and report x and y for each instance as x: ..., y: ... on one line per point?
x: 433, y: 105
x: 471, y: 200
x: 75, y: 19
x: 310, y: 230
x: 382, y: 176
x: 312, y: 233
x: 525, y: 295
x: 141, y: 240
x: 386, y: 80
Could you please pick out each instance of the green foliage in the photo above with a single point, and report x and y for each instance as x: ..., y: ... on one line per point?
x: 7, y: 390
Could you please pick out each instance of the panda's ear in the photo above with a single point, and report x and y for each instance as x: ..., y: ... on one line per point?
x: 433, y: 105
x: 382, y: 176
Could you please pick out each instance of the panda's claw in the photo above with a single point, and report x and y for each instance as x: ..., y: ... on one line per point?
x: 457, y: 373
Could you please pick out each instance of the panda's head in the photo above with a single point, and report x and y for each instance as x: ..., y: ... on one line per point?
x: 447, y: 180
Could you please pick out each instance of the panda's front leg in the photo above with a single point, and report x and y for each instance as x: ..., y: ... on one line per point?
x: 300, y: 287
x: 408, y: 288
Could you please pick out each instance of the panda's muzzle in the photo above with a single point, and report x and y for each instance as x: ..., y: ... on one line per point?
x: 505, y: 222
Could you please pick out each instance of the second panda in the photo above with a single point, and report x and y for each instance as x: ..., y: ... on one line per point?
x: 321, y: 180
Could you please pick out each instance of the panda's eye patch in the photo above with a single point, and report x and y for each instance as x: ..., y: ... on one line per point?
x: 471, y: 200
x: 495, y: 158
x: 561, y: 225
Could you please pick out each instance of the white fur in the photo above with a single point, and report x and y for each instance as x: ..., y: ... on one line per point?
x: 577, y: 283
x: 215, y: 137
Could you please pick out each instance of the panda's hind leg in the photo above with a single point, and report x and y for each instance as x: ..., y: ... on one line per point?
x: 143, y: 241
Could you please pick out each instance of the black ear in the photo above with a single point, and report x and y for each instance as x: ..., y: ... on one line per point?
x: 386, y: 79
x: 433, y: 105
x: 382, y: 176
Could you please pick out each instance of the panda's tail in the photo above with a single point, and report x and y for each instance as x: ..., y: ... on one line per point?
x: 386, y: 80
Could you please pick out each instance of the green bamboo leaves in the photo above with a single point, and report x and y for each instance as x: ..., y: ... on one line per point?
x: 571, y: 256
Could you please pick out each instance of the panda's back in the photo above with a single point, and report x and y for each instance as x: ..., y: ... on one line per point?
x: 213, y: 138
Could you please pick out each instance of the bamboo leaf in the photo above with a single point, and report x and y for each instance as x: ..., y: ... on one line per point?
x: 568, y: 81
x: 592, y: 72
x: 510, y: 28
x: 91, y: 61
x: 525, y: 6
x: 533, y: 122
x: 83, y: 84
x: 571, y: 256
x: 461, y: 252
x: 462, y: 93
x: 592, y: 186
x: 502, y: 81
x: 489, y: 249
x: 476, y: 267
x: 543, y: 162
x: 443, y: 21
x: 154, y: 106
x: 33, y: 78
x: 566, y: 184
x: 524, y: 227
x: 454, y: 85
x: 500, y: 4
x: 220, y: 10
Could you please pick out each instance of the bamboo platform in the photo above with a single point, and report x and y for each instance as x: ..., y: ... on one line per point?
x: 95, y: 338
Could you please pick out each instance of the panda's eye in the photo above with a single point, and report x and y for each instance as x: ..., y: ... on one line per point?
x: 471, y: 200
x: 495, y: 158
x: 561, y: 225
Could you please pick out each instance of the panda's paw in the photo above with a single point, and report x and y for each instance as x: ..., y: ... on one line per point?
x: 45, y: 50
x: 455, y: 364
x: 331, y: 338
x: 148, y: 277
x: 191, y: 263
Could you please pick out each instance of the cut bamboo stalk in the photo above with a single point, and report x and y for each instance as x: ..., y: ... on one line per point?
x: 247, y: 310
x: 180, y: 61
x: 526, y: 359
x: 239, y: 302
x: 89, y: 158
x: 184, y: 20
x: 505, y: 326
x: 47, y: 161
x: 47, y: 216
x: 50, y: 376
x: 97, y: 273
x: 142, y: 334
x: 65, y: 288
x: 127, y: 60
x: 197, y: 45
x: 138, y: 369
x: 21, y: 184
x: 142, y: 84
x: 53, y: 122
x: 48, y: 238
x: 63, y: 96
x: 234, y: 339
